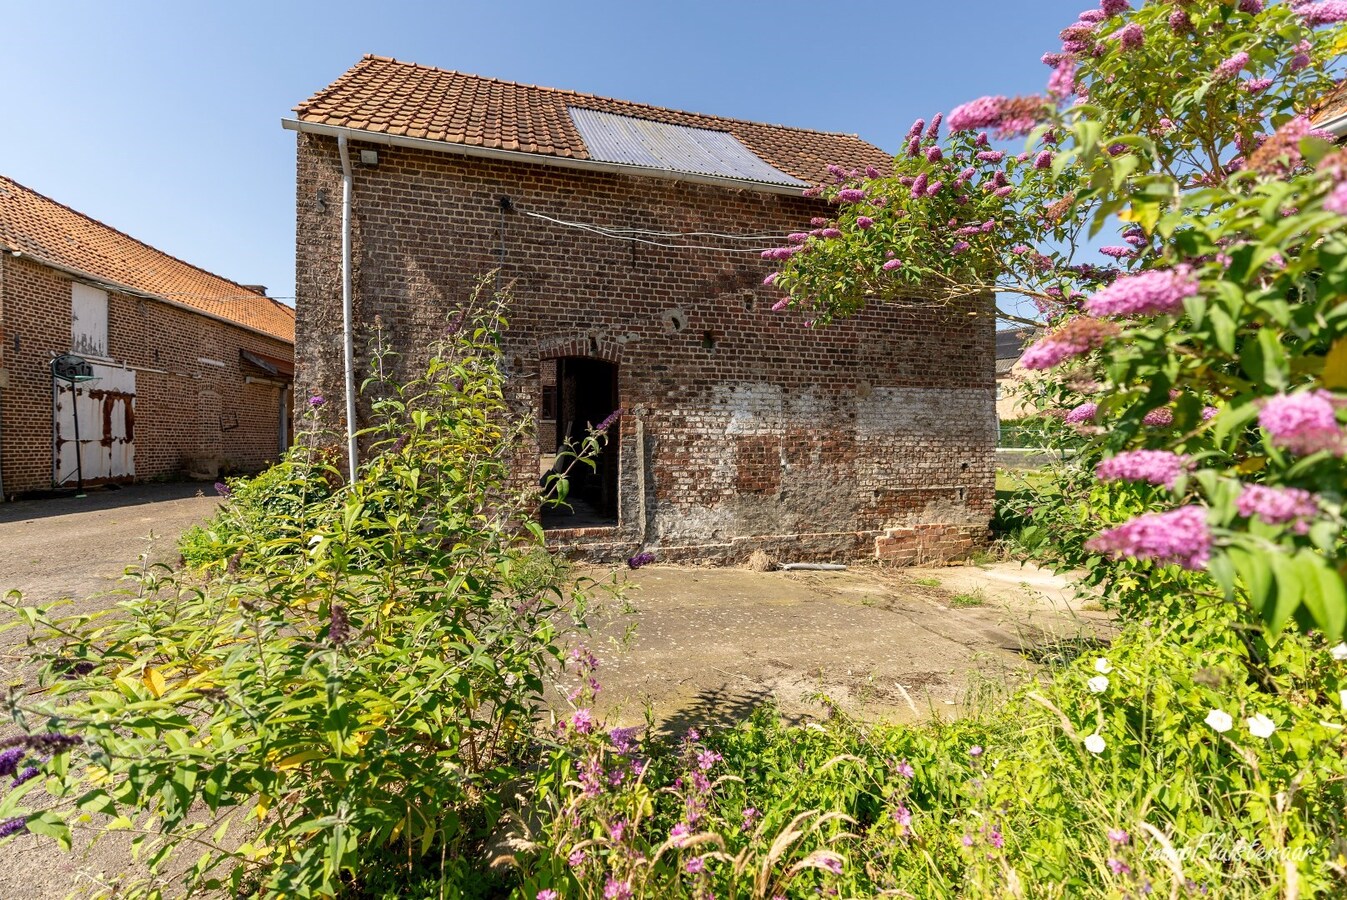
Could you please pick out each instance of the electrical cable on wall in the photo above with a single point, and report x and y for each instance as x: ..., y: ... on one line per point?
x: 617, y: 236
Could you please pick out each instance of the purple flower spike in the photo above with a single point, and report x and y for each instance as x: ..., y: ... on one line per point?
x: 640, y: 559
x: 1081, y: 414
x: 1131, y: 37
x: 1156, y: 292
x: 1157, y: 467
x: 1303, y: 423
x: 1180, y: 536
x: 1279, y: 506
x: 1231, y: 67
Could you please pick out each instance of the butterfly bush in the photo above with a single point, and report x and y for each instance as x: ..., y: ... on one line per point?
x: 1212, y: 342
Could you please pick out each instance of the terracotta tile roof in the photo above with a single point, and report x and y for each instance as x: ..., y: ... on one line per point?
x: 1332, y: 106
x: 386, y: 96
x: 49, y: 231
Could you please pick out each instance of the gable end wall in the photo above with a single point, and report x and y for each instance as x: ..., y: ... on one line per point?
x: 745, y: 430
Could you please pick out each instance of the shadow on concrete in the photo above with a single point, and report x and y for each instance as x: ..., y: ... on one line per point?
x: 101, y: 499
x: 722, y: 707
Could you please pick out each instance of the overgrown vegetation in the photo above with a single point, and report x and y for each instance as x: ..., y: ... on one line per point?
x: 350, y: 674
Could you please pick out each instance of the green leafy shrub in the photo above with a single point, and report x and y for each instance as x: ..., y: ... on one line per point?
x: 355, y: 678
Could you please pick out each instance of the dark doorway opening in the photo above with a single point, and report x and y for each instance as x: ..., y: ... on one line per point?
x: 577, y: 395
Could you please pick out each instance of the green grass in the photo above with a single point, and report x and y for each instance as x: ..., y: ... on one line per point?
x: 927, y: 582
x: 1010, y: 480
x: 961, y: 601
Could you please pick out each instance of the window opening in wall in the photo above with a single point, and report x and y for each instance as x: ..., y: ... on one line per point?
x: 578, y: 394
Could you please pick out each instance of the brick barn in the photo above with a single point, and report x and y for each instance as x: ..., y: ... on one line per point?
x: 631, y: 236
x: 191, y: 373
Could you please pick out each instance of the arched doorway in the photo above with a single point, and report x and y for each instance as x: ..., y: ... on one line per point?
x: 579, y: 393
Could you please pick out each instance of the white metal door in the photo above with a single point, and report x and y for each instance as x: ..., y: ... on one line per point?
x: 107, y: 425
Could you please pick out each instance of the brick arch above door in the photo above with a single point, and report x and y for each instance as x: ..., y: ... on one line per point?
x: 581, y: 344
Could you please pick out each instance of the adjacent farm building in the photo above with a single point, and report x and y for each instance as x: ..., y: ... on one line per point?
x: 186, y: 372
x: 630, y: 237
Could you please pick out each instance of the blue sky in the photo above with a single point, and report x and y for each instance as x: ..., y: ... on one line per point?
x: 163, y: 119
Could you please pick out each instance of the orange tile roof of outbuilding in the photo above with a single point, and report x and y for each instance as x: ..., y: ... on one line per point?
x: 388, y: 96
x: 39, y: 227
x: 1332, y: 106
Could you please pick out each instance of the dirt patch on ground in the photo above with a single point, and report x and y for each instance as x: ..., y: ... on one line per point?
x: 712, y: 644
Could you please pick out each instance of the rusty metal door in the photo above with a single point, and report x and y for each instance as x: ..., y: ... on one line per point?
x: 107, y: 426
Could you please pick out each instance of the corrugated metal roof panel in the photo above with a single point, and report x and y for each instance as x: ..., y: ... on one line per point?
x: 676, y: 148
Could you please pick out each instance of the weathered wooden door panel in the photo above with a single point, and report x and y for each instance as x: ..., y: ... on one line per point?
x: 107, y: 426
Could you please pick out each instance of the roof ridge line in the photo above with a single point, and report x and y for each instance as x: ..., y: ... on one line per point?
x: 556, y: 90
x: 102, y: 224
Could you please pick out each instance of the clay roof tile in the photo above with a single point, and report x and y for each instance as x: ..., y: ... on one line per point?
x: 46, y: 230
x: 470, y: 109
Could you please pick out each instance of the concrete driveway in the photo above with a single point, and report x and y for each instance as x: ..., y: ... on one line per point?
x: 72, y: 547
x: 79, y: 548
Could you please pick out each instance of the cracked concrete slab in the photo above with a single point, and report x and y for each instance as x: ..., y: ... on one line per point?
x: 712, y: 644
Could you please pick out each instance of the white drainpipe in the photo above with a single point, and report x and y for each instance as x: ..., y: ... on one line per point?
x: 348, y: 329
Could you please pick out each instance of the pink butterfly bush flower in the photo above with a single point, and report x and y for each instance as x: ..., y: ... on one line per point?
x: 1082, y: 414
x: 1131, y: 37
x: 1114, y: 7
x: 1330, y: 12
x: 1279, y: 506
x: 983, y: 112
x: 1078, y: 336
x: 1231, y: 67
x: 1337, y: 201
x: 1155, y: 292
x: 1303, y: 423
x: 1157, y: 467
x: 851, y: 195
x: 1062, y: 82
x: 1158, y: 417
x: 1180, y: 536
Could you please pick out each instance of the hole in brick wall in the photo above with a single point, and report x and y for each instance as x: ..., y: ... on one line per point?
x: 708, y: 340
x: 578, y: 393
x: 749, y: 301
x: 675, y: 319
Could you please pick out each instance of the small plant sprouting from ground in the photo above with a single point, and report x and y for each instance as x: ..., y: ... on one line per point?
x: 968, y: 599
x: 927, y: 581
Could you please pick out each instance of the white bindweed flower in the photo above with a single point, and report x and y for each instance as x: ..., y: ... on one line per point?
x: 1342, y: 696
x: 1340, y: 652
x: 1095, y: 744
x: 1220, y: 720
x: 1103, y: 666
x: 1098, y: 684
x: 1261, y: 726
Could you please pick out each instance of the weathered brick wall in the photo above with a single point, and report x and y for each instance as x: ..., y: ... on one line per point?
x: 746, y: 430
x: 183, y: 406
